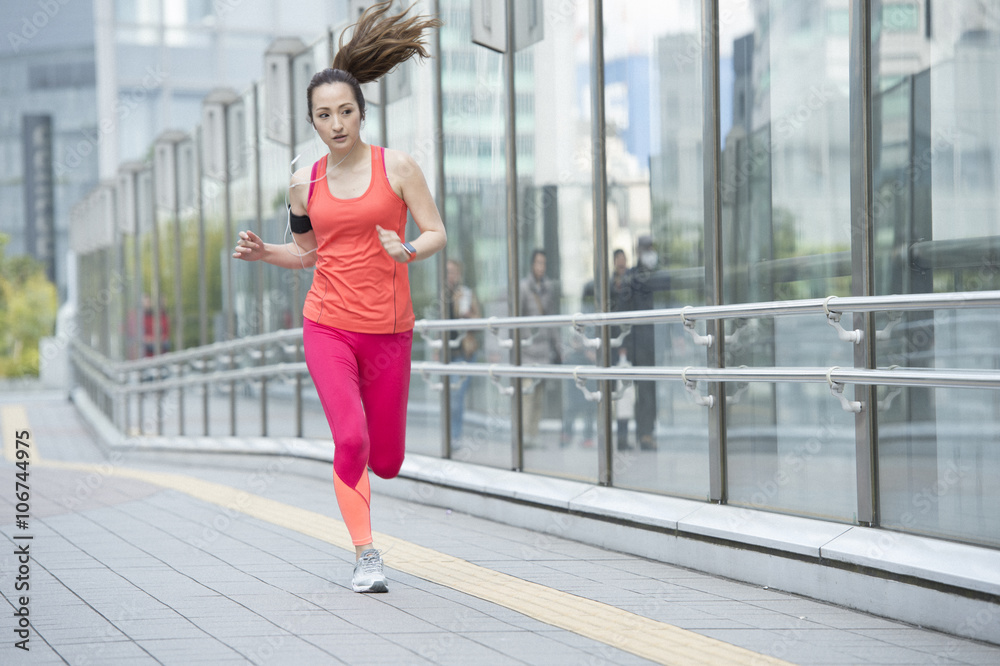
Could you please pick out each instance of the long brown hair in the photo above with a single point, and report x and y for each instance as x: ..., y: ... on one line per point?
x: 378, y: 45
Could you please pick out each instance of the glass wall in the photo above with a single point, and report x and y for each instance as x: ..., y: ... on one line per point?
x: 187, y: 224
x: 284, y: 134
x: 288, y: 288
x: 555, y: 235
x: 655, y: 225
x: 785, y: 230
x: 784, y: 89
x: 409, y: 113
x: 937, y: 229
x: 475, y: 210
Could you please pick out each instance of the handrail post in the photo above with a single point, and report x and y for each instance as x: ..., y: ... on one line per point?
x: 712, y: 142
x: 862, y: 279
x: 605, y: 467
x: 513, y: 283
x: 259, y: 267
x: 440, y: 195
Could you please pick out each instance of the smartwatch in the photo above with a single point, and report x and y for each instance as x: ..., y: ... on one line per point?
x: 410, y: 251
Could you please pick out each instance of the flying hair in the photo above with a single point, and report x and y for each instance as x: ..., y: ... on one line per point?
x: 380, y: 43
x: 377, y: 46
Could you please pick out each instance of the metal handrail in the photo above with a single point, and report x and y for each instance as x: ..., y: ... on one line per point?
x: 884, y: 377
x: 215, y: 377
x: 98, y: 364
x: 891, y: 303
x: 112, y: 368
x: 836, y: 374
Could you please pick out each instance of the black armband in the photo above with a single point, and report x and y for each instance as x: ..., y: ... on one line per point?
x: 299, y: 224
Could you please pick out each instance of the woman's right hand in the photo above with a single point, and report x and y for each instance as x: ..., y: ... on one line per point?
x: 249, y: 247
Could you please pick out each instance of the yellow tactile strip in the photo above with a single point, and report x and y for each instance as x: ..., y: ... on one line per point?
x: 641, y: 636
x: 14, y: 419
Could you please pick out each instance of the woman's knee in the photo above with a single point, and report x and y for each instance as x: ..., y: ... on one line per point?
x: 386, y: 469
x: 351, y: 455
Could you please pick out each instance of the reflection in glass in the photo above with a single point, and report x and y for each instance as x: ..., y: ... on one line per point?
x: 786, y: 235
x: 654, y: 111
x: 555, y: 234
x: 937, y: 228
x: 409, y: 115
x: 475, y: 213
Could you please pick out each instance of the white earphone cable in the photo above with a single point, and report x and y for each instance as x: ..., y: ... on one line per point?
x: 288, y: 209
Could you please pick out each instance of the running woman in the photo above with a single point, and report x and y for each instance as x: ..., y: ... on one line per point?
x: 347, y: 218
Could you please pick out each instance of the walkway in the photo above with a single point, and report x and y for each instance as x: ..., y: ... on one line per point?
x: 164, y: 558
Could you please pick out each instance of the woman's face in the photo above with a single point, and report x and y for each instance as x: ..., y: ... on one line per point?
x: 454, y: 274
x: 538, y: 266
x: 336, y: 116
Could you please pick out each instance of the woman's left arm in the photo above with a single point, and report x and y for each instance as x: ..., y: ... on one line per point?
x: 407, y: 180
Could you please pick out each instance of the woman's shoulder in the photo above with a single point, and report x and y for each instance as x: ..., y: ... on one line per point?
x: 400, y: 163
x: 302, y: 175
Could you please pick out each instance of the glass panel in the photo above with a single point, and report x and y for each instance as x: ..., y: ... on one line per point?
x: 241, y: 167
x: 409, y: 124
x: 476, y: 215
x: 165, y: 238
x: 189, y: 244
x: 280, y: 309
x: 901, y: 16
x: 556, y: 233
x: 294, y: 285
x: 148, y: 276
x: 148, y: 414
x: 307, y: 142
x: 217, y: 254
x: 653, y: 100
x: 786, y: 235
x: 937, y: 229
x: 131, y: 318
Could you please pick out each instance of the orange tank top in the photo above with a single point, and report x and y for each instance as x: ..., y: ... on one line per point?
x: 357, y: 286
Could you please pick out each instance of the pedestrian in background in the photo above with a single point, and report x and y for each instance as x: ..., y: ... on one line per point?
x: 641, y: 342
x: 538, y: 297
x: 460, y: 303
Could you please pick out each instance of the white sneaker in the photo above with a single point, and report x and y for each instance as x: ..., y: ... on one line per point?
x: 368, y: 575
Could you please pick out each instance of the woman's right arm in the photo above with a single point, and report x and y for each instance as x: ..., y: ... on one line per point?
x: 301, y: 252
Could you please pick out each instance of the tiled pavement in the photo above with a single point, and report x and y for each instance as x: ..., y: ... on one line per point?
x: 133, y: 569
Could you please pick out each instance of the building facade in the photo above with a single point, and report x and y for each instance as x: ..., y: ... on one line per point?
x: 48, y: 127
x: 89, y: 85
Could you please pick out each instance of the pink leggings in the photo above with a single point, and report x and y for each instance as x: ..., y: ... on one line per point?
x: 363, y: 382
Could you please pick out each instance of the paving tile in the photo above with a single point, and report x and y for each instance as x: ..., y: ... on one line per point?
x: 311, y: 622
x: 891, y: 654
x: 447, y: 649
x: 598, y: 653
x: 176, y: 650
x: 40, y: 654
x: 532, y: 647
x: 280, y: 648
x: 980, y: 655
x: 368, y: 648
x: 145, y: 628
x: 851, y: 620
x: 914, y: 638
x: 148, y: 575
x: 105, y: 653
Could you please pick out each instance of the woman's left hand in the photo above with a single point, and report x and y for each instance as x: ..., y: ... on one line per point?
x: 393, y: 246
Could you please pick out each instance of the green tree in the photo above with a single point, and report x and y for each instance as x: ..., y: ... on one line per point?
x: 28, y: 304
